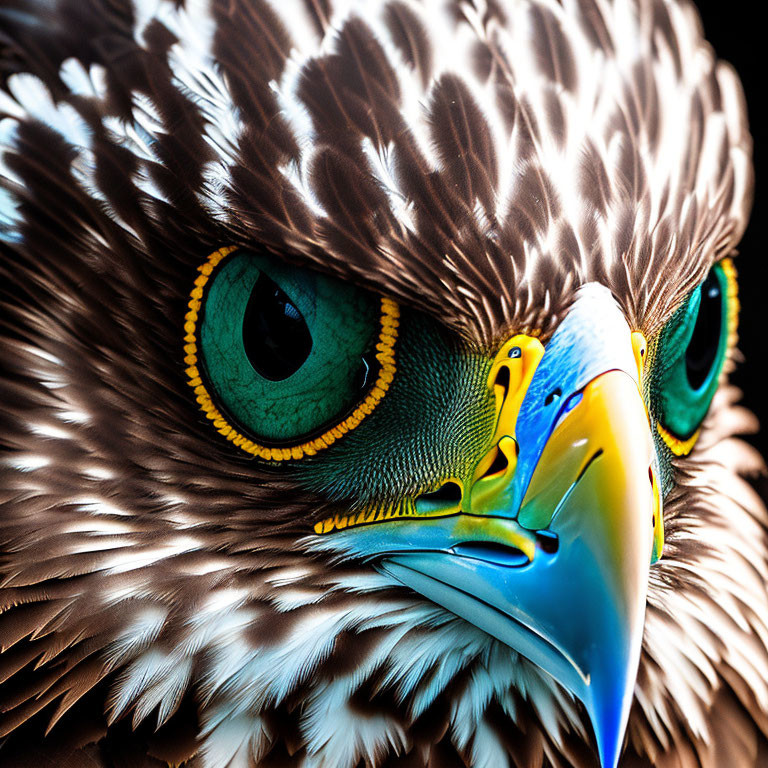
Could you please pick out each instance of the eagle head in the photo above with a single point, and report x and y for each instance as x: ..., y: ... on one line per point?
x: 366, y: 391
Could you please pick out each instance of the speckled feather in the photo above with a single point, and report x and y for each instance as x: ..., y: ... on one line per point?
x: 476, y: 161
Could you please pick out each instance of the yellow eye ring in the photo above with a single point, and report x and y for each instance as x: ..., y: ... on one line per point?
x: 731, y: 275
x: 385, y: 355
x: 675, y: 444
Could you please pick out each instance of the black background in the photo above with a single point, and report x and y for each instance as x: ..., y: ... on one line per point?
x: 739, y: 37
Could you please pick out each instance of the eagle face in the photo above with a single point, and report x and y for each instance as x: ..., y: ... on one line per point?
x: 366, y: 397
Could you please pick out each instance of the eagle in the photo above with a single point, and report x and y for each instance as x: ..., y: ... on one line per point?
x: 365, y: 393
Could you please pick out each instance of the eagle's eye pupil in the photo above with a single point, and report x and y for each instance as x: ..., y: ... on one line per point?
x: 276, y: 339
x: 705, y: 341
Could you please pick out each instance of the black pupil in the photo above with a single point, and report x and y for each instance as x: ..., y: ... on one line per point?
x: 705, y: 341
x: 275, y: 336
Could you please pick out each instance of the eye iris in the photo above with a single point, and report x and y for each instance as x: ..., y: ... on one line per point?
x: 272, y: 338
x: 276, y: 339
x: 702, y: 350
x: 688, y: 357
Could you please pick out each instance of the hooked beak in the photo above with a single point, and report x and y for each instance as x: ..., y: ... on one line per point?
x: 575, y: 604
x: 550, y: 546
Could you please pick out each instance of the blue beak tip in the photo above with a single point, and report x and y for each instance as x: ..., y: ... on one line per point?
x: 609, y: 754
x: 609, y: 724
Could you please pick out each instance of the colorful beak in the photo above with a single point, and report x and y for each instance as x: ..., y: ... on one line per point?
x: 550, y: 547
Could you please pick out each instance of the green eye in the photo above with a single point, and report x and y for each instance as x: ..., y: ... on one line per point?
x: 292, y: 358
x: 689, y: 356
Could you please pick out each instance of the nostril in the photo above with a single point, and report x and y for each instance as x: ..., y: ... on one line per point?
x: 502, y: 379
x: 550, y: 398
x: 448, y: 493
